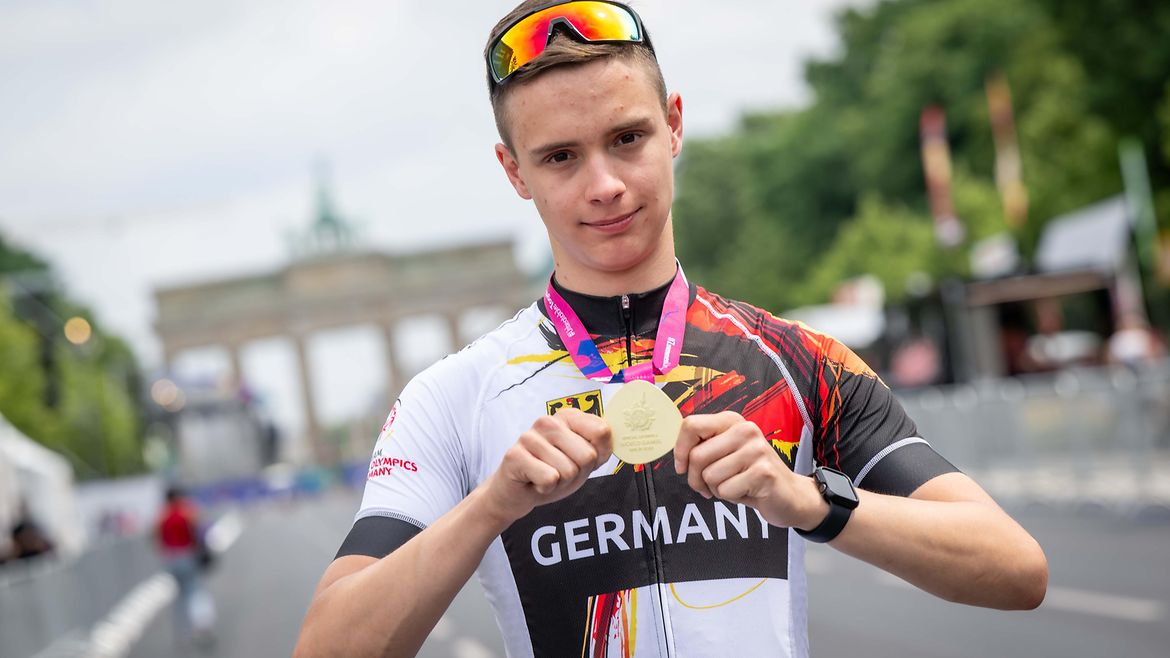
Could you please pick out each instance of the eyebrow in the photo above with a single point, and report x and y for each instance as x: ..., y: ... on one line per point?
x: 642, y: 123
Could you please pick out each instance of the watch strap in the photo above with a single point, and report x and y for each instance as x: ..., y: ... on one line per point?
x: 828, y: 529
x: 841, y: 505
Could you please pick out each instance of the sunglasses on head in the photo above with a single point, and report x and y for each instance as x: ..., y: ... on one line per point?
x: 593, y: 21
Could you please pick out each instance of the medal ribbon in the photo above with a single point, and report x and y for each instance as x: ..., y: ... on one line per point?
x: 668, y: 341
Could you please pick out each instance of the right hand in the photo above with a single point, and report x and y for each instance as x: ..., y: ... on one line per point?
x: 549, y: 461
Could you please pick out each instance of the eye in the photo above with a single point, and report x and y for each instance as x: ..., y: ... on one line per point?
x: 625, y: 139
x: 560, y: 157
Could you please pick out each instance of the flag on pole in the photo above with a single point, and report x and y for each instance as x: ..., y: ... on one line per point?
x: 1007, y: 151
x: 936, y: 164
x: 1162, y: 258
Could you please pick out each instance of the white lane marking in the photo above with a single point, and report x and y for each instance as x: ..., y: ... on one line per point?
x: 1065, y: 599
x: 466, y: 647
x: 116, y: 634
x: 225, y: 531
x: 1127, y: 608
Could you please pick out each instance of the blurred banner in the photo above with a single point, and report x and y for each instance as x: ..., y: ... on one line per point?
x: 1007, y: 151
x: 936, y: 165
x: 1153, y: 247
x: 1163, y: 270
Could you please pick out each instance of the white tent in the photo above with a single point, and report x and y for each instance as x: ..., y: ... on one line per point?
x: 43, y: 481
x: 856, y: 326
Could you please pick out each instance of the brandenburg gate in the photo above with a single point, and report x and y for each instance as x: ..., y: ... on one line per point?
x: 334, y: 286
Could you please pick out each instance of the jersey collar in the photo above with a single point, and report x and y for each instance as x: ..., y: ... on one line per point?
x: 602, y: 316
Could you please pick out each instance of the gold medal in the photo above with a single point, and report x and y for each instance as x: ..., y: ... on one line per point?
x: 644, y: 421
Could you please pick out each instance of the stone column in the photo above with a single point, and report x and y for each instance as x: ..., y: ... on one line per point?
x: 395, y: 377
x: 168, y: 359
x: 452, y: 318
x: 233, y: 352
x: 312, y: 428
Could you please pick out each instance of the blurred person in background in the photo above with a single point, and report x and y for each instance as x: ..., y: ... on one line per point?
x: 179, y: 535
x: 29, y: 540
x: 917, y: 362
x: 500, y: 457
x: 1135, y: 343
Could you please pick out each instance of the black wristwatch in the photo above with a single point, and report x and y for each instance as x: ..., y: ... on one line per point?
x: 838, y: 491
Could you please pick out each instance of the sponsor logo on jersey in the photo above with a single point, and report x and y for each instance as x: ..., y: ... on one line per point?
x: 589, y: 402
x: 381, y: 466
x: 387, y: 428
x: 391, y: 418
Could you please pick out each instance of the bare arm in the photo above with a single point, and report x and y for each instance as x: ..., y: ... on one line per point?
x: 370, y: 607
x: 948, y: 538
x: 386, y: 607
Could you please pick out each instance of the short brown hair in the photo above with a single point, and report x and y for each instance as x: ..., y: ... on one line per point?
x: 562, y: 51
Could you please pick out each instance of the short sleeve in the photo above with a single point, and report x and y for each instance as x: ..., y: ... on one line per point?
x: 417, y: 472
x: 863, y: 431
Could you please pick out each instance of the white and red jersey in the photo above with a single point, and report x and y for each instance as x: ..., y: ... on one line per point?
x: 636, y: 563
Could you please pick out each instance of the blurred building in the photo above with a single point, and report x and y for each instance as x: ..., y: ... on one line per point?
x: 1084, y: 280
x: 332, y: 283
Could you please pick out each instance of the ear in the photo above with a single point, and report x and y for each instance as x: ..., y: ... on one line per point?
x: 674, y: 108
x: 512, y: 170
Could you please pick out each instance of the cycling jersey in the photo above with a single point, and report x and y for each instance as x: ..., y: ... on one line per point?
x: 636, y: 563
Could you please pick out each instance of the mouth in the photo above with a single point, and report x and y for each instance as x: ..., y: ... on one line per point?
x: 613, y: 224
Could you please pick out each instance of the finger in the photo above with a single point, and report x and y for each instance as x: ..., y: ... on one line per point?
x: 530, y: 470
x: 738, y: 488
x: 725, y: 468
x: 576, y: 447
x: 594, y: 429
x: 539, y: 443
x: 738, y: 447
x: 696, y: 429
x: 738, y: 437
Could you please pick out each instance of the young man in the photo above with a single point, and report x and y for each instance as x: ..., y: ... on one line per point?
x: 499, y: 457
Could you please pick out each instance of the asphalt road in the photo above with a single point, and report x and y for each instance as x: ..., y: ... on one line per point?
x: 1109, y: 596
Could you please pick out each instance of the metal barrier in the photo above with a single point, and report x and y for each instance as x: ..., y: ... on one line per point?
x: 46, y: 600
x: 1100, y: 435
x: 1086, y: 434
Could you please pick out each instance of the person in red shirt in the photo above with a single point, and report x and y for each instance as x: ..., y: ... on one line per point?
x: 180, y: 543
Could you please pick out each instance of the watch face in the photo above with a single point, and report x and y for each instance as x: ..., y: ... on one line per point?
x: 839, y: 487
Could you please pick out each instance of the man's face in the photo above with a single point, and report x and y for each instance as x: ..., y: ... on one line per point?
x: 592, y: 148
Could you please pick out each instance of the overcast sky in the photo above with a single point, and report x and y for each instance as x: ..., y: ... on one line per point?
x: 147, y: 143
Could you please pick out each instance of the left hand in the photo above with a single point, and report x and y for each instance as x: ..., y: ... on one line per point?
x: 725, y: 456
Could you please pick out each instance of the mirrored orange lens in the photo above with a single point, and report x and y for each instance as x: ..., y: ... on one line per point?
x: 593, y: 21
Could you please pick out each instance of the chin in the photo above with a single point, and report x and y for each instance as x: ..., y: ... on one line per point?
x: 619, y: 264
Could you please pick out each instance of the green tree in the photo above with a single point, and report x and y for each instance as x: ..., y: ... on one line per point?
x: 79, y: 400
x: 22, y: 381
x: 792, y: 180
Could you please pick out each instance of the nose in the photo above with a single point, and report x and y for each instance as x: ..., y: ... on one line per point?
x: 605, y: 184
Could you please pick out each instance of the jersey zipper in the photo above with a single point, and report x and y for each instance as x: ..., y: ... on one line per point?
x: 648, y: 486
x: 656, y: 554
x: 628, y: 323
